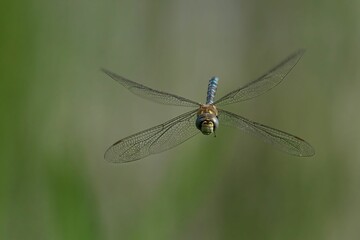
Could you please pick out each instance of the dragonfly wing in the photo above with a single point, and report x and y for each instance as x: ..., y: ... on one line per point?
x: 154, y: 140
x: 151, y: 94
x: 282, y: 140
x: 263, y: 83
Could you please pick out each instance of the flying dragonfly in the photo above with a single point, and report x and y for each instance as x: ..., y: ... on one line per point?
x: 205, y: 118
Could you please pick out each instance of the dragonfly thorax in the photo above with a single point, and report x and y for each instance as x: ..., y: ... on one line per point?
x: 207, y: 120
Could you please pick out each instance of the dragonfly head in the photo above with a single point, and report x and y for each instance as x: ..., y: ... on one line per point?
x: 207, y: 123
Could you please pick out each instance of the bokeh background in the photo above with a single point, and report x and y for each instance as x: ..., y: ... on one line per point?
x: 59, y: 113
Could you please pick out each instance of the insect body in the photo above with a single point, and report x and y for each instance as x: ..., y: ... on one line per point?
x: 207, y: 117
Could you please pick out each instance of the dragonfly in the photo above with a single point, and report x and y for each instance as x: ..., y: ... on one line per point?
x: 205, y: 118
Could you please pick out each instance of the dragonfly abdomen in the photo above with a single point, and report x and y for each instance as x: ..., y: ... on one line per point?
x: 213, y: 82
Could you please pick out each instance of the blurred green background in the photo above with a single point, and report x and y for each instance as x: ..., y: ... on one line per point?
x: 59, y: 113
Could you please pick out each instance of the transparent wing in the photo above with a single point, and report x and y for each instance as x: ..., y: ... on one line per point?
x: 151, y: 94
x: 154, y: 140
x: 263, y: 83
x: 282, y: 140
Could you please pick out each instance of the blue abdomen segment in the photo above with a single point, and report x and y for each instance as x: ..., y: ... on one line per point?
x: 213, y: 83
